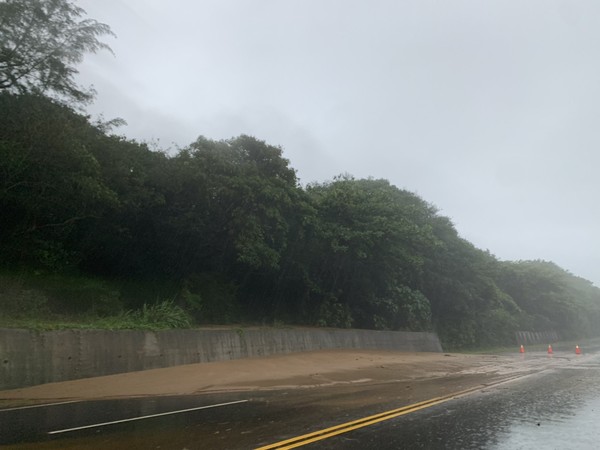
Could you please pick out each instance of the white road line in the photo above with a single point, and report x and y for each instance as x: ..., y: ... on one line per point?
x: 145, y: 417
x: 39, y: 406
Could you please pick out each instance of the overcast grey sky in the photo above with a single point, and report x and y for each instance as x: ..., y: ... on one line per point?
x: 486, y: 109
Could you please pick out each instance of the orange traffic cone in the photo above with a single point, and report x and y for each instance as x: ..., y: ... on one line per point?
x: 577, y: 350
x: 522, y: 349
x: 550, y: 350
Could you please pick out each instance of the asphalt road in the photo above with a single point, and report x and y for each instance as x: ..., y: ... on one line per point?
x: 554, y: 407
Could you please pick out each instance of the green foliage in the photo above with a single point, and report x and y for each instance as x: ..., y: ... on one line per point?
x: 100, y: 224
x: 230, y: 203
x: 54, y: 301
x: 458, y: 334
x: 331, y: 313
x: 496, y: 327
x: 368, y: 245
x: 161, y: 315
x: 41, y: 41
x: 39, y: 294
x: 211, y: 298
x: 16, y: 302
x: 193, y: 303
x: 416, y: 310
x: 553, y: 298
x: 401, y: 309
x: 50, y: 184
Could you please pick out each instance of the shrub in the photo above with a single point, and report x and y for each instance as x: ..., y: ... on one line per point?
x: 160, y: 315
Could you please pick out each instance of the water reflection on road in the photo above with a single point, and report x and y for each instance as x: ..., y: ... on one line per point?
x: 555, y: 409
x: 579, y: 431
x: 567, y: 417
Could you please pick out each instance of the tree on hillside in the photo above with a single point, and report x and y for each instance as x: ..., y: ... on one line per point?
x: 231, y: 208
x: 368, y: 254
x: 49, y: 181
x: 226, y: 205
x: 118, y: 243
x: 554, y: 298
x: 468, y: 308
x: 40, y: 43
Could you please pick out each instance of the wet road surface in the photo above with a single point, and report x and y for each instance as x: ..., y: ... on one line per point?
x: 557, y: 409
x: 557, y: 406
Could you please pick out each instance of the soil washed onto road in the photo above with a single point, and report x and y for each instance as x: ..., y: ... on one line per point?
x: 434, y: 372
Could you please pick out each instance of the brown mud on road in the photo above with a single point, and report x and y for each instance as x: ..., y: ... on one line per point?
x: 419, y: 374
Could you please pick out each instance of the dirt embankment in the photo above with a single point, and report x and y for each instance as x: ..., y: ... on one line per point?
x: 299, y: 370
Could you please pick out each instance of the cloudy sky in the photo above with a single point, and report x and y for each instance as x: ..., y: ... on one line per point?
x: 486, y: 109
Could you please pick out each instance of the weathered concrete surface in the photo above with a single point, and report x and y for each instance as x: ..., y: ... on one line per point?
x: 29, y: 358
x: 536, y: 337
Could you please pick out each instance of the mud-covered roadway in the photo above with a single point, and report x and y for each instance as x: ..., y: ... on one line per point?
x: 421, y: 375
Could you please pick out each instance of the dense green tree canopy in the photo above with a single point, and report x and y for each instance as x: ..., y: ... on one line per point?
x: 50, y: 181
x: 226, y: 230
x: 371, y: 241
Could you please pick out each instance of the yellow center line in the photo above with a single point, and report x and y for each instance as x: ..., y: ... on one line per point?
x: 361, y: 425
x: 371, y: 420
x: 342, y: 426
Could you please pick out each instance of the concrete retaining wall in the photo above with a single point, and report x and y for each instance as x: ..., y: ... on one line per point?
x: 29, y: 357
x: 536, y: 337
